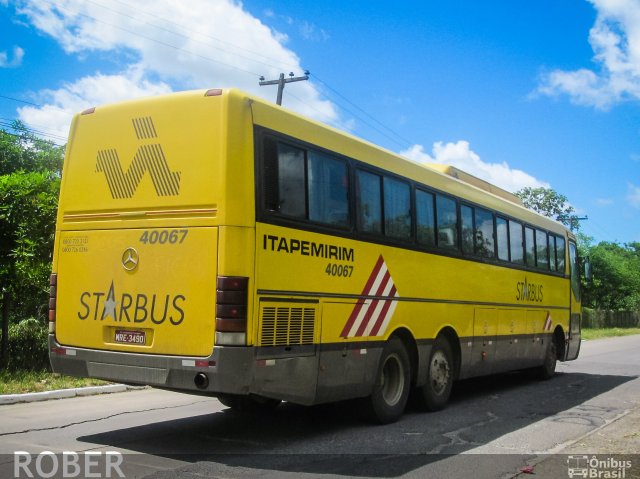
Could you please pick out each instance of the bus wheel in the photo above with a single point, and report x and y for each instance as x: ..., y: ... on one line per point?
x: 434, y: 395
x: 548, y: 368
x: 392, y: 384
x: 250, y: 404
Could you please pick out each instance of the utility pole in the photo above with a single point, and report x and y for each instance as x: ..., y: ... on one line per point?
x: 282, y: 81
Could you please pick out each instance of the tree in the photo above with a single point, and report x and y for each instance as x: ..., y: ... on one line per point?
x: 29, y: 186
x: 550, y: 203
x: 28, y: 203
x: 24, y: 151
x: 616, y: 279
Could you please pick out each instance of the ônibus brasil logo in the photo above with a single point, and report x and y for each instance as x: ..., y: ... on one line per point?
x: 148, y: 158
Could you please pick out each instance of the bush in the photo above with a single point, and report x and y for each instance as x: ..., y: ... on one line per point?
x: 599, y: 318
x: 28, y: 347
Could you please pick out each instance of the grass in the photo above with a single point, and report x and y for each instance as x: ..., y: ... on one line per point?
x: 18, y: 382
x: 588, y: 333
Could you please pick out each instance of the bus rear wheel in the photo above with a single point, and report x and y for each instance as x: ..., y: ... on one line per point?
x: 249, y: 404
x: 434, y: 395
x: 391, y: 388
x: 548, y: 368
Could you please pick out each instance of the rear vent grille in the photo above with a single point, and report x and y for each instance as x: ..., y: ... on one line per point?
x: 283, y: 326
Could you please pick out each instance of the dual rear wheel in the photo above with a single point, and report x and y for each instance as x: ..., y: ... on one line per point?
x: 393, y: 380
x: 391, y: 387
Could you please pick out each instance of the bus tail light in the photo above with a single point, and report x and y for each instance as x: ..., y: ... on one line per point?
x: 53, y: 290
x: 231, y: 309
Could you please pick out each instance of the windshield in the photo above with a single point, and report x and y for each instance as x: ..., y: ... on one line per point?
x: 575, y: 270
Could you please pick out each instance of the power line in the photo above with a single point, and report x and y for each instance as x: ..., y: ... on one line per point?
x: 383, y: 129
x: 391, y: 134
x: 6, y: 123
x: 160, y: 42
x: 20, y: 101
x: 403, y: 141
x: 264, y: 61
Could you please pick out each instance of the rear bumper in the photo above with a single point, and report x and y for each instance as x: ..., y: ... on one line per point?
x: 228, y: 369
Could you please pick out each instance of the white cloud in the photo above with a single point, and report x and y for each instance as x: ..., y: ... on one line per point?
x: 16, y: 61
x: 615, y: 40
x: 171, y: 46
x: 604, y: 201
x: 60, y: 105
x: 311, y: 32
x: 461, y: 156
x: 633, y: 196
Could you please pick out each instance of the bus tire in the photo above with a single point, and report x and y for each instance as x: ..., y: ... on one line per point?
x: 434, y: 394
x: 392, y: 384
x: 248, y: 404
x: 548, y: 368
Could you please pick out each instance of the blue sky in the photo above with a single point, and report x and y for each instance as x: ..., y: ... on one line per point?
x: 543, y: 93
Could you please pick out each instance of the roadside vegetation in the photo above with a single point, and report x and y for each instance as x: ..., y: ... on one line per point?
x: 20, y: 382
x: 600, y: 333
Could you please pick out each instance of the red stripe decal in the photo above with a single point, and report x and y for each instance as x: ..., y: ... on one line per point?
x: 372, y: 306
x: 383, y: 313
x: 365, y: 292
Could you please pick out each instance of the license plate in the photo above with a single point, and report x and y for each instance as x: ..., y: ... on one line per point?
x: 130, y: 337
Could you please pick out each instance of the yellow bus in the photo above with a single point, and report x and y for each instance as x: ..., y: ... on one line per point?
x: 211, y: 242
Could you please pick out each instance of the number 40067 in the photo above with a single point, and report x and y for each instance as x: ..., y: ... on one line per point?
x: 163, y: 236
x: 341, y: 270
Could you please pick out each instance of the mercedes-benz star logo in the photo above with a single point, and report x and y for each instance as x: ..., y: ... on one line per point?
x: 130, y: 259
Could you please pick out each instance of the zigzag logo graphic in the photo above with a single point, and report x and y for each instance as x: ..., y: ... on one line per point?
x: 148, y: 158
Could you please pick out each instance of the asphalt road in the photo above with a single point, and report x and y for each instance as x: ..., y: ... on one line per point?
x: 492, y: 428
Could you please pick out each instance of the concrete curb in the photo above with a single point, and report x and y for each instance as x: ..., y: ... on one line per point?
x: 65, y: 393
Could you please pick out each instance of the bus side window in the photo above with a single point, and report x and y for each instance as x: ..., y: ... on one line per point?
x: 516, y: 243
x: 270, y: 192
x: 425, y: 218
x: 284, y: 178
x: 542, y: 250
x: 552, y: 253
x: 560, y: 254
x: 530, y: 246
x: 466, y: 215
x: 328, y: 190
x: 502, y: 239
x: 397, y: 209
x: 483, y: 234
x: 447, y: 217
x: 369, y: 202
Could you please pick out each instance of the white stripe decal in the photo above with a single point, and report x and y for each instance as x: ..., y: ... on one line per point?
x: 373, y: 309
x: 376, y: 313
x: 387, y: 318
